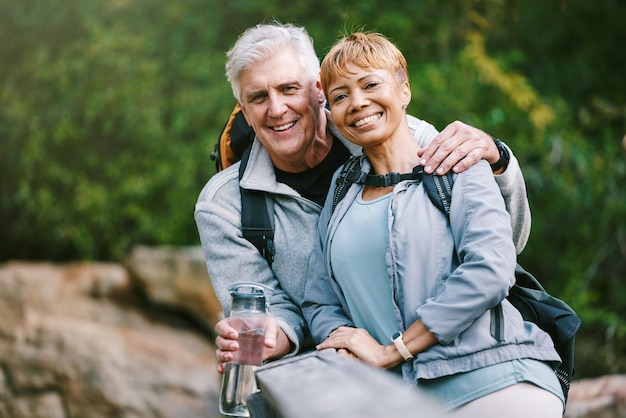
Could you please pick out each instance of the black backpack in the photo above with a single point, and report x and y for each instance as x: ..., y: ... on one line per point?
x: 528, y: 296
x: 235, y: 138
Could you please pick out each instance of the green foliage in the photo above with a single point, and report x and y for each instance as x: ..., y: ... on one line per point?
x: 110, y: 110
x: 105, y: 113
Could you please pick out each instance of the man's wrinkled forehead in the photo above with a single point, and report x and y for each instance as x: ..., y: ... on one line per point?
x: 278, y: 72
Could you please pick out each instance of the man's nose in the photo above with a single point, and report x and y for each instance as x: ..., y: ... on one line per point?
x: 277, y: 106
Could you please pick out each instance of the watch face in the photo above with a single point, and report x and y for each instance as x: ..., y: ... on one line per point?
x: 396, y: 335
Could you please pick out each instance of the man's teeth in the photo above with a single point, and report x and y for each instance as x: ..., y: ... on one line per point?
x: 367, y: 120
x: 282, y: 128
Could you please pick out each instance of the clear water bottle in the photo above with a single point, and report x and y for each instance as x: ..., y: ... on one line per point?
x: 249, y: 310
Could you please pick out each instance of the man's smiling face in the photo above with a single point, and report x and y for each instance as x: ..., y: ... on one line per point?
x: 282, y: 104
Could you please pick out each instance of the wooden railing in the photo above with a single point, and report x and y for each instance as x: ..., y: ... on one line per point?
x: 324, y: 384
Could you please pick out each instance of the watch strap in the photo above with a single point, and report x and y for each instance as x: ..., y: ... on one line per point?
x: 401, y: 347
x: 503, y: 161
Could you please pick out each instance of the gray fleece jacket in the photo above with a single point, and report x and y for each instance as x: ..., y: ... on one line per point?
x: 230, y: 258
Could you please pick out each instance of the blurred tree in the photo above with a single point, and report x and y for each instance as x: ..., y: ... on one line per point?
x: 105, y: 109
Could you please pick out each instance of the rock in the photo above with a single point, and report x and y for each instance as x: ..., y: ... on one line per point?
x: 176, y: 277
x: 70, y: 347
x: 77, y: 341
x: 601, y: 397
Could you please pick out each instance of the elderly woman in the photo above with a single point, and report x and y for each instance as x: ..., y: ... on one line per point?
x: 396, y: 285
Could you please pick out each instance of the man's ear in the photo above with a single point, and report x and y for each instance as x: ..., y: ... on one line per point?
x: 320, y: 92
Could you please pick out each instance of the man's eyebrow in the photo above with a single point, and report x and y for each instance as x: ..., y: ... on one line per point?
x: 263, y: 92
x: 289, y: 84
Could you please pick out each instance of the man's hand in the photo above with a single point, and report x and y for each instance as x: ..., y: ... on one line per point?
x: 458, y: 147
x: 276, y: 342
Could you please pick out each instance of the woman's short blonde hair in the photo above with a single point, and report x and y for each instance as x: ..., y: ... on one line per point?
x: 365, y: 50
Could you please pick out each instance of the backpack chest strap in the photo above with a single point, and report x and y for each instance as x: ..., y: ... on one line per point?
x: 385, y: 180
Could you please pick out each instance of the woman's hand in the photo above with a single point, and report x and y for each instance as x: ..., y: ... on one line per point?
x: 358, y: 343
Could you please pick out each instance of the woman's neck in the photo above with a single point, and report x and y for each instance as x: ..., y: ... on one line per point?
x: 397, y: 154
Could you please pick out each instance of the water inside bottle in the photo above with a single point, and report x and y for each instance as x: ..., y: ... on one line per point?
x: 250, y: 347
x: 237, y: 384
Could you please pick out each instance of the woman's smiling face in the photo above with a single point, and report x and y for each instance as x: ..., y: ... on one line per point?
x: 368, y: 105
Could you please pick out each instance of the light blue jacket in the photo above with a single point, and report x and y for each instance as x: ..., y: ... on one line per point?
x: 454, y: 276
x: 230, y: 258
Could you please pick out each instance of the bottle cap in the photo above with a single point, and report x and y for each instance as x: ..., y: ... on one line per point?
x: 249, y: 296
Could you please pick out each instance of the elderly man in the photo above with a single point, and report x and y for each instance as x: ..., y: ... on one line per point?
x: 274, y: 74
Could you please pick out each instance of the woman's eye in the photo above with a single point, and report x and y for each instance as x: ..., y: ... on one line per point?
x: 338, y: 98
x: 371, y: 85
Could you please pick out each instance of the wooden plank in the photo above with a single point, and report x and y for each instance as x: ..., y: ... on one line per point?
x: 326, y: 384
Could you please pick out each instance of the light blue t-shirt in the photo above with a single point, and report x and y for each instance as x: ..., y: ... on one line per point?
x: 357, y: 255
x: 459, y: 389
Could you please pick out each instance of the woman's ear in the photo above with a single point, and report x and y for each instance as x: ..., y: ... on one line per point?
x: 406, y: 94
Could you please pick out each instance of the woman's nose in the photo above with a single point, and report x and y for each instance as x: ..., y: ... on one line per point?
x: 357, y: 101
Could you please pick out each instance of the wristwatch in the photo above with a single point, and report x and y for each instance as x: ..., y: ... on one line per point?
x: 404, y: 352
x: 503, y: 161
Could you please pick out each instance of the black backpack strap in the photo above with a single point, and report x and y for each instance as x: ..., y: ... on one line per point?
x: 256, y: 224
x: 350, y: 173
x: 439, y: 190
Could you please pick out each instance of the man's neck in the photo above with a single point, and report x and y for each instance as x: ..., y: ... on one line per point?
x: 314, y: 183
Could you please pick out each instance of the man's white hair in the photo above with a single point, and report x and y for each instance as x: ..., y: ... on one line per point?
x: 261, y: 42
